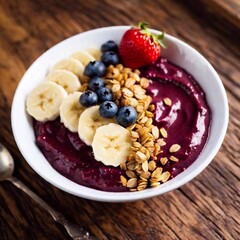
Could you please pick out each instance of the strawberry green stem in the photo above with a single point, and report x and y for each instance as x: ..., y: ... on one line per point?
x: 157, y: 38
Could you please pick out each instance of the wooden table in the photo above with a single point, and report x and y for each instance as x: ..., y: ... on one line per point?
x: 206, y: 208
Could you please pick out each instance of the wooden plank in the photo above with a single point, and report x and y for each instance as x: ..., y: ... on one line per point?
x: 224, y: 13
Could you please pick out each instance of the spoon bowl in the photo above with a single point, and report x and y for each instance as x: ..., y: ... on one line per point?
x: 6, y: 163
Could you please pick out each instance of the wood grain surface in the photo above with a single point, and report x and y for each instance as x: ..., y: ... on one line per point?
x: 206, y: 208
x: 222, y: 13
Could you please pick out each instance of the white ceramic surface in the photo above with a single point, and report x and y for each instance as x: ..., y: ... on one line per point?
x: 177, y: 52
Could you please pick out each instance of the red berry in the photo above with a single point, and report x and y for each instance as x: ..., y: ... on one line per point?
x: 139, y: 47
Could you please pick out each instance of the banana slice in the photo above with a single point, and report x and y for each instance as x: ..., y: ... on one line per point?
x: 89, y: 121
x: 70, y: 64
x: 111, y: 144
x: 44, y: 101
x: 83, y: 56
x: 68, y: 80
x: 70, y: 111
x: 96, y: 53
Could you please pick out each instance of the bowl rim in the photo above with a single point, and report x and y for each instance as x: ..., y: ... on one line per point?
x: 93, y: 194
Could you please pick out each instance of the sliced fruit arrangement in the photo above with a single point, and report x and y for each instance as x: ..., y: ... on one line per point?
x: 70, y: 64
x: 44, y: 101
x: 106, y: 103
x: 89, y: 121
x: 95, y: 52
x: 68, y: 80
x: 83, y: 56
x: 70, y: 111
x: 111, y: 144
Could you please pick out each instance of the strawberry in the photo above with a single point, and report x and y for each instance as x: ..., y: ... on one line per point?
x: 139, y: 47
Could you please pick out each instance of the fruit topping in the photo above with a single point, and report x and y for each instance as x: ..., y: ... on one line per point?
x: 95, y: 83
x: 95, y: 52
x: 70, y: 111
x: 95, y: 68
x: 83, y: 56
x: 89, y: 121
x: 44, y: 101
x: 108, y: 109
x: 88, y: 98
x: 109, y: 58
x: 126, y: 116
x: 70, y: 64
x: 111, y: 144
x: 68, y: 80
x: 109, y: 46
x: 140, y: 47
x: 104, y: 94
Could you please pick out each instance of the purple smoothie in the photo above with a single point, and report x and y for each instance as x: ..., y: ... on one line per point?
x: 187, y: 122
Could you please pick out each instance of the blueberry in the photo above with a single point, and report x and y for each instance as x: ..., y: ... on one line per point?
x: 88, y: 98
x: 95, y: 69
x: 108, y: 109
x: 109, y: 46
x: 104, y: 94
x: 95, y: 83
x: 109, y: 58
x: 126, y: 116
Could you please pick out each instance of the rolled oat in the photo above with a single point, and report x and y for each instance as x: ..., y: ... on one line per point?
x: 129, y: 88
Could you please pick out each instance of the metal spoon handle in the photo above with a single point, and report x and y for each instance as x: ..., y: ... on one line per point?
x: 73, y: 230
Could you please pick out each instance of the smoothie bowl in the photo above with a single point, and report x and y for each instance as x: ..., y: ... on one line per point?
x: 112, y: 131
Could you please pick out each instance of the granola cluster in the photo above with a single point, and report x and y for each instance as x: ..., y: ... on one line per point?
x: 141, y: 170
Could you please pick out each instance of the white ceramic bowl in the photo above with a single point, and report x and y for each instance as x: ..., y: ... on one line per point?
x: 177, y: 52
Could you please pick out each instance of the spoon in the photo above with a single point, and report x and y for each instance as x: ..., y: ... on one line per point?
x: 6, y: 171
